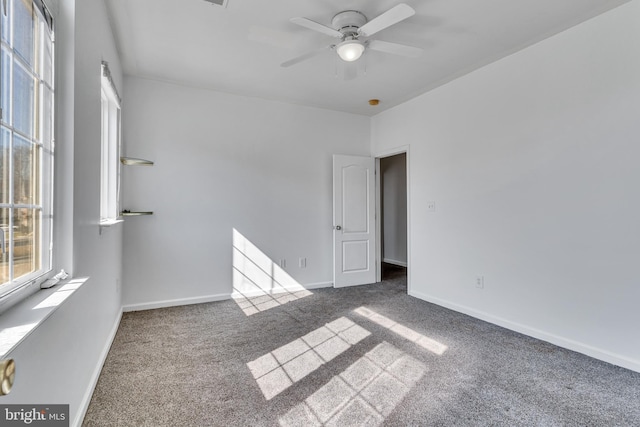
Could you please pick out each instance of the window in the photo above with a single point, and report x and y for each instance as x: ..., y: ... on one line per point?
x: 110, y: 168
x: 26, y: 143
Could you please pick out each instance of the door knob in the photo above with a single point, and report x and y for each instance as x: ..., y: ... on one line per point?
x: 338, y: 227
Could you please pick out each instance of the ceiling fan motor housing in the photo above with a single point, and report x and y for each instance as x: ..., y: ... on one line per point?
x: 348, y: 22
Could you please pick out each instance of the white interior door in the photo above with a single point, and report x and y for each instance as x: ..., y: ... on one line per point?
x: 354, y: 223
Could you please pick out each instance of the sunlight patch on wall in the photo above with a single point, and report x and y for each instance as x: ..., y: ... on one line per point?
x: 9, y: 337
x: 278, y: 370
x: 259, y: 284
x: 407, y: 333
x: 364, y: 394
x: 60, y: 295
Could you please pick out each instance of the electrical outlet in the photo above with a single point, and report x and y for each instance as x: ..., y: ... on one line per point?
x: 431, y: 206
x: 480, y: 282
x: 302, y: 263
x: 283, y: 263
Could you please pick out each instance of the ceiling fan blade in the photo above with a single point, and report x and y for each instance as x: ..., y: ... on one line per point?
x: 392, y: 16
x: 304, y: 57
x: 313, y: 25
x: 394, y: 48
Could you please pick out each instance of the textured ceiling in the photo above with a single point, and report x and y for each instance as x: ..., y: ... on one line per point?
x: 239, y: 49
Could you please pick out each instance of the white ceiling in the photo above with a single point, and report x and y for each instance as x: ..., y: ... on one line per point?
x: 239, y: 49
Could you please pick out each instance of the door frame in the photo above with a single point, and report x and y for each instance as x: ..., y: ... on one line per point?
x: 404, y: 149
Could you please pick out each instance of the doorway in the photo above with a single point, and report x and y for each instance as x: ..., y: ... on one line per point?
x: 393, y: 215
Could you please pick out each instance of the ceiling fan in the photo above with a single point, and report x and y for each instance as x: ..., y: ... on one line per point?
x: 350, y: 26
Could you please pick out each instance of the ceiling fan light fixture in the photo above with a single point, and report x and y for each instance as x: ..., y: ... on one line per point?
x: 350, y: 50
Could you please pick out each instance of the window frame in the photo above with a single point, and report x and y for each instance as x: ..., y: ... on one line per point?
x: 111, y: 141
x: 41, y: 140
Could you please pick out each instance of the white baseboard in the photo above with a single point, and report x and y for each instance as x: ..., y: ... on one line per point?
x: 395, y: 262
x: 175, y: 302
x: 86, y: 400
x: 307, y: 287
x: 208, y: 298
x: 596, y: 353
x: 318, y: 285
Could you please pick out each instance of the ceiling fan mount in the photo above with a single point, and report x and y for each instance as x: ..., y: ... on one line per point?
x: 348, y: 22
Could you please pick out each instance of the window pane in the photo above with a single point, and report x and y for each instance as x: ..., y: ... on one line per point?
x: 6, y: 86
x: 25, y: 172
x: 23, y: 91
x: 4, y: 20
x: 36, y: 111
x: 47, y: 56
x: 26, y: 241
x: 4, y: 164
x: 47, y: 117
x: 4, y: 254
x: 23, y: 29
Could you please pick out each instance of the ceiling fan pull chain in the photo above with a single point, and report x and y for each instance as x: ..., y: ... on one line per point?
x: 365, y: 62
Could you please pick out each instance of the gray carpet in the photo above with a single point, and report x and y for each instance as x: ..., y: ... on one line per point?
x: 368, y: 355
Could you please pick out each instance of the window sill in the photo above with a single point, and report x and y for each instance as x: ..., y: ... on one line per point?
x: 105, y: 224
x: 18, y: 322
x: 110, y: 222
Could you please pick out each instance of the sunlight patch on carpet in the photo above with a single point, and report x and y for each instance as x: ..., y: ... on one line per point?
x: 364, y: 394
x: 278, y: 370
x: 405, y: 332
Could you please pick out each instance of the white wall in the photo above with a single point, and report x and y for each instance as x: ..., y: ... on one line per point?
x: 223, y: 162
x: 533, y: 164
x: 60, y: 361
x: 393, y: 178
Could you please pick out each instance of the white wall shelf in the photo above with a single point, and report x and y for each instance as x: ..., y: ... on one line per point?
x: 135, y: 213
x: 132, y: 161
